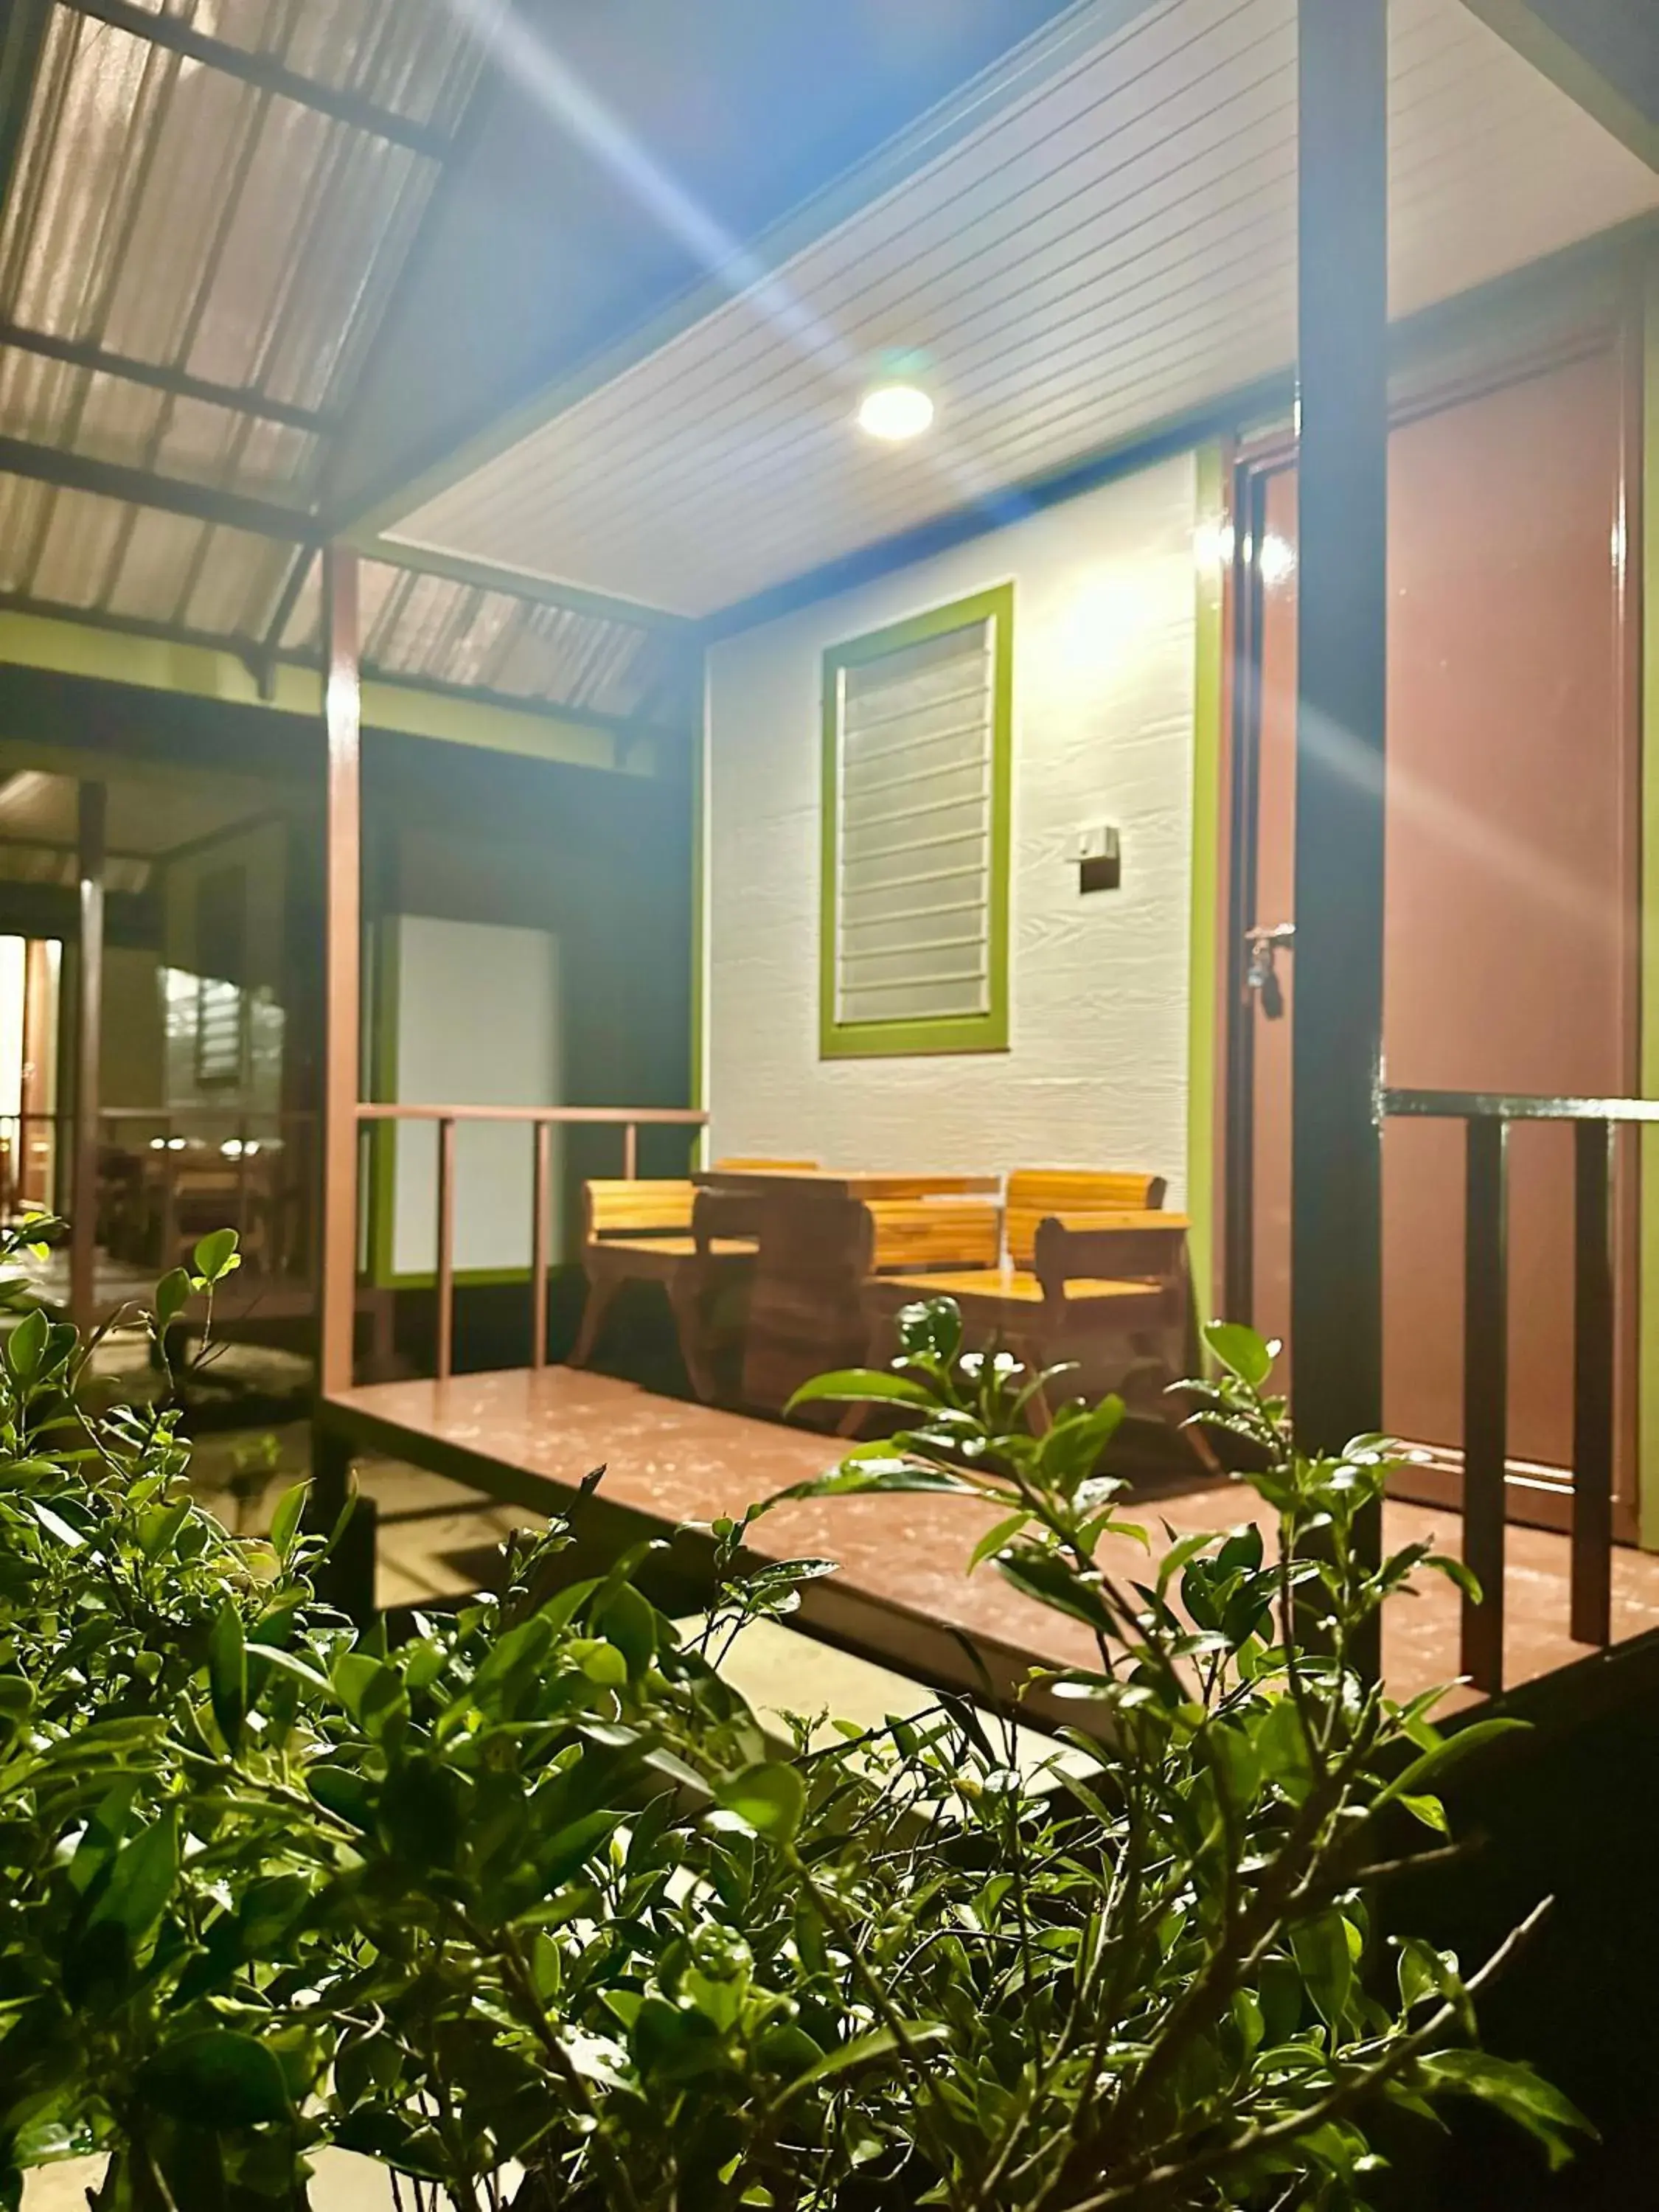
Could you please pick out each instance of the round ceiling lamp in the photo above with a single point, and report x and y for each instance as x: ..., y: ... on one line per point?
x: 896, y: 405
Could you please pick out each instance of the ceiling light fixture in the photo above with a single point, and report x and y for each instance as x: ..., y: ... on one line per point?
x: 895, y: 410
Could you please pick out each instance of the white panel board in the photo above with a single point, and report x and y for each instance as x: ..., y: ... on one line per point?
x: 477, y: 1023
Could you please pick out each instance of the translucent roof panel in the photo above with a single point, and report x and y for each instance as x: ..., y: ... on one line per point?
x: 434, y: 630
x: 411, y: 56
x: 197, y: 252
x: 166, y: 211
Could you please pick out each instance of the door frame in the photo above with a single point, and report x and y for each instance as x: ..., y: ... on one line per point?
x: 1535, y: 1496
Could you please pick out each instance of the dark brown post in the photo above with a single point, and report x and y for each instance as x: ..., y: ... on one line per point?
x: 538, y: 1244
x: 1485, y: 1397
x: 343, y: 714
x: 1336, y: 1330
x: 88, y: 1023
x: 1594, y: 1351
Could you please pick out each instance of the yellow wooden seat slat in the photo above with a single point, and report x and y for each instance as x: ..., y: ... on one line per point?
x: 621, y: 1207
x: 1074, y: 1195
x: 1013, y: 1285
x: 933, y: 1232
x: 682, y: 1248
x: 735, y: 1164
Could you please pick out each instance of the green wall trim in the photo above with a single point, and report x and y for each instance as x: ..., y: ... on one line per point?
x: 1203, y: 1042
x: 986, y: 1032
x: 1647, y: 1365
x: 74, y: 648
x: 700, y: 770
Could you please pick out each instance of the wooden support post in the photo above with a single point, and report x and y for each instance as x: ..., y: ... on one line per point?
x: 1336, y: 1331
x: 92, y: 839
x: 341, y: 1020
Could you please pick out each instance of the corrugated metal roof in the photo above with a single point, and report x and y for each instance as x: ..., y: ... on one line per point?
x: 1110, y: 248
x: 165, y: 210
x: 432, y: 629
x: 178, y: 221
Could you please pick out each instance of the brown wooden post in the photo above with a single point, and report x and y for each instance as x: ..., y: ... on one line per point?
x: 341, y: 1023
x: 446, y: 1269
x: 540, y: 1185
x: 92, y: 824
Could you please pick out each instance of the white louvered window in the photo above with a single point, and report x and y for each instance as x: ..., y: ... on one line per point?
x: 917, y: 730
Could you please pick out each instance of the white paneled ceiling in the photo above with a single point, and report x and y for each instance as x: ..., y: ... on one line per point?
x: 1109, y: 248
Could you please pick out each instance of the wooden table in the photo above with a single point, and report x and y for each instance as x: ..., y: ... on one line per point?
x: 806, y: 1310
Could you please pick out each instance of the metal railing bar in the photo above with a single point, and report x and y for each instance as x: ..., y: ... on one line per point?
x: 1499, y: 1106
x: 1594, y: 1352
x: 684, y: 1117
x: 446, y: 1270
x: 539, y: 1241
x: 1485, y: 1399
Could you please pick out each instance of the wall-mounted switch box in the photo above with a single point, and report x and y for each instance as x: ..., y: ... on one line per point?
x: 1099, y: 856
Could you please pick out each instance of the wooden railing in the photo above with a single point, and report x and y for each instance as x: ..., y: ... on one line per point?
x: 1487, y: 1118
x: 543, y: 1120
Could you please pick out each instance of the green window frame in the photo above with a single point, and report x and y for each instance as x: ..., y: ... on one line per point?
x: 985, y: 1030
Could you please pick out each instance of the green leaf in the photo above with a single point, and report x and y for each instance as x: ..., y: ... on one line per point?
x: 1241, y: 1351
x: 1320, y: 1950
x: 227, y: 1673
x: 1072, y: 1448
x: 344, y: 1792
x: 931, y: 1330
x: 994, y: 1538
x: 629, y: 1621
x: 27, y: 1344
x: 1515, y: 2090
x: 141, y: 1881
x: 290, y: 1662
x: 218, y: 2079
x: 1429, y: 1811
x: 770, y: 1797
x: 216, y: 1255
x: 863, y: 2051
x: 1062, y: 1587
x: 1455, y: 1746
x: 172, y: 1297
x: 861, y: 1386
x: 285, y: 1521
x: 855, y: 1477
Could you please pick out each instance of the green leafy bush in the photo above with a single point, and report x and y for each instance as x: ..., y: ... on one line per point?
x: 532, y: 1904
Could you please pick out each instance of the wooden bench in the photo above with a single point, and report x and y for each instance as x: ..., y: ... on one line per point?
x: 1090, y: 1268
x: 699, y: 1244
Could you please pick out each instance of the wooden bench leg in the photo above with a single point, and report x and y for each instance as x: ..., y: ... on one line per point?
x: 687, y: 1302
x: 601, y: 1290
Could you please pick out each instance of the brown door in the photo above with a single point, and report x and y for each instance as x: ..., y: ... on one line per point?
x: 1510, y: 896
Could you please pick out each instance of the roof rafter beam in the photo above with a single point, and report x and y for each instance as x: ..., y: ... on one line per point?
x: 265, y: 72
x: 21, y: 45
x: 545, y: 591
x: 230, y: 510
x: 177, y: 383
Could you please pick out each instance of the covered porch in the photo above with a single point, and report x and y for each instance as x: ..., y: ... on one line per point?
x: 1379, y: 264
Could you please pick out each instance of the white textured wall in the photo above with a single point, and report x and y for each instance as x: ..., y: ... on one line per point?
x: 1103, y: 684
